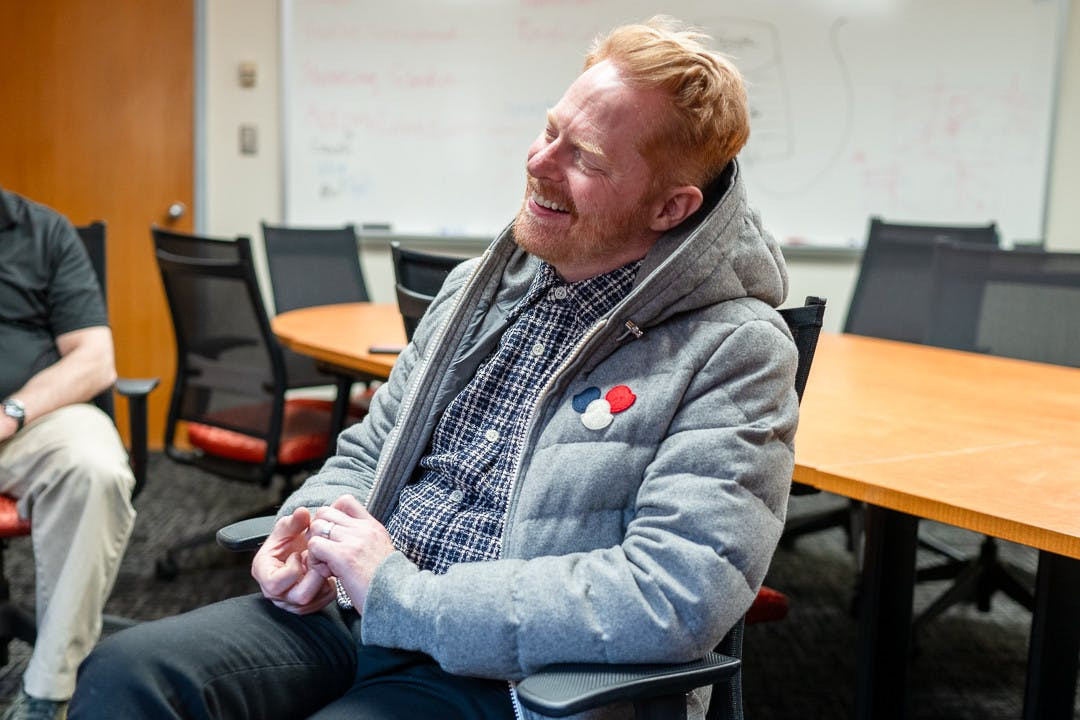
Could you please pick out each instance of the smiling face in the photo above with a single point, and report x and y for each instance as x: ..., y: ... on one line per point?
x: 589, y: 202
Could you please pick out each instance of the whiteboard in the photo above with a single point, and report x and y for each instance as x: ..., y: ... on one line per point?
x: 418, y: 113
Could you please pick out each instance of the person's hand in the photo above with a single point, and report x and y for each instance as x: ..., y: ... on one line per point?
x: 284, y: 570
x: 351, y: 543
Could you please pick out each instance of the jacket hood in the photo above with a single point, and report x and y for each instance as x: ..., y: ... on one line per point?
x: 720, y: 253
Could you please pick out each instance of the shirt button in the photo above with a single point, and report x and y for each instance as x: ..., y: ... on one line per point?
x: 560, y: 293
x: 492, y: 435
x: 457, y: 496
x: 538, y: 349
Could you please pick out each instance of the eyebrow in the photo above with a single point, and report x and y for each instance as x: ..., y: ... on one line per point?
x: 589, y: 147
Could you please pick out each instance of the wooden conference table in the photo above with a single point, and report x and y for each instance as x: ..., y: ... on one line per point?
x: 340, y: 338
x: 983, y: 443
x: 342, y: 335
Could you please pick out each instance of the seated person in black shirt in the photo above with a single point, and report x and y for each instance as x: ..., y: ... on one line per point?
x: 59, y: 456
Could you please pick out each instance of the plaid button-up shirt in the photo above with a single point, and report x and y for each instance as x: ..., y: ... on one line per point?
x: 454, y: 508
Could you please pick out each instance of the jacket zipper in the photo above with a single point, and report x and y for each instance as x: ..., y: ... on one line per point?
x: 390, y: 446
x: 518, y: 712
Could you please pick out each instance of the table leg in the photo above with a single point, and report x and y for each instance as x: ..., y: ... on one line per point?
x: 887, y: 585
x: 340, y: 411
x: 1055, y: 640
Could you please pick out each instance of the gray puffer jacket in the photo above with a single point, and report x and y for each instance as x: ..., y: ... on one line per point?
x: 643, y: 540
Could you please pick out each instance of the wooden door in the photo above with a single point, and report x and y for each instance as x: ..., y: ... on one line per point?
x: 98, y: 123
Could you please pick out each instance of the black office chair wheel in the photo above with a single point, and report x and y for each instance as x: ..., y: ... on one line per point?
x: 166, y: 568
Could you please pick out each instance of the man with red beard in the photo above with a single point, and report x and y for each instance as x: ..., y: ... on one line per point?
x: 583, y: 456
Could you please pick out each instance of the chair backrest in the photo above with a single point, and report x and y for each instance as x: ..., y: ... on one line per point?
x: 93, y: 238
x: 136, y: 391
x: 891, y: 296
x: 307, y: 267
x: 227, y: 360
x: 805, y: 324
x: 418, y: 276
x: 313, y: 266
x: 1013, y: 303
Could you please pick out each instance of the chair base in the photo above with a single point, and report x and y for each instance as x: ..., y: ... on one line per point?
x: 15, y: 624
x: 975, y: 581
x: 167, y: 566
x: 847, y: 516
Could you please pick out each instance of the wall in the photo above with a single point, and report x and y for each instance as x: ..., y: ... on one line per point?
x: 1063, y: 217
x: 242, y: 190
x: 398, y: 114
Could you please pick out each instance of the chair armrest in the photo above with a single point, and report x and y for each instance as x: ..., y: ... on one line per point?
x: 561, y: 690
x: 136, y: 391
x: 246, y: 534
x: 411, y: 303
x: 136, y: 388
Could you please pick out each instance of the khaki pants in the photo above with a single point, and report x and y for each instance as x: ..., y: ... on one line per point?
x: 70, y: 474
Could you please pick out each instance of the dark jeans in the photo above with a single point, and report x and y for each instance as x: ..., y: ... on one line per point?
x: 245, y: 658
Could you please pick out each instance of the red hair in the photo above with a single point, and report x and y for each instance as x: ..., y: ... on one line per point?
x: 710, y: 118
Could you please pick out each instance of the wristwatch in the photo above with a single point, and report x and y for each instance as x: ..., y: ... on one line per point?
x: 15, y: 410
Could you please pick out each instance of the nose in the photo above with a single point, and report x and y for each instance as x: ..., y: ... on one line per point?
x: 542, y: 162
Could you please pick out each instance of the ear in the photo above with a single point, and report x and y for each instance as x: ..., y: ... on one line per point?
x: 678, y: 204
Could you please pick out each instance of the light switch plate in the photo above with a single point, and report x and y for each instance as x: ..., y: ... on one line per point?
x: 249, y: 143
x: 246, y: 74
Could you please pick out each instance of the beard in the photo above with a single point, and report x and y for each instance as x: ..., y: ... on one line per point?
x: 588, y: 239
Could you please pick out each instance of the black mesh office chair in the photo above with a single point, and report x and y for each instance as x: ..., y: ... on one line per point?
x: 656, y: 691
x: 316, y: 266
x: 231, y: 376
x: 313, y: 266
x: 1012, y: 303
x: 1020, y: 304
x: 891, y: 300
x: 417, y: 277
x: 15, y: 621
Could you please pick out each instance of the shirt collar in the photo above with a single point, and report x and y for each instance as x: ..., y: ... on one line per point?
x: 592, y: 297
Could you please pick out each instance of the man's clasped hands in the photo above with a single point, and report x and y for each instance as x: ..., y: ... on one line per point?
x: 304, y: 553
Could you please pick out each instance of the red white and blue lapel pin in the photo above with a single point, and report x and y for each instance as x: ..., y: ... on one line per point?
x: 598, y: 412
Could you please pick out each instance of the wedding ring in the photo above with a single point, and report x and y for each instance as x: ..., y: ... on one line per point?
x: 329, y: 529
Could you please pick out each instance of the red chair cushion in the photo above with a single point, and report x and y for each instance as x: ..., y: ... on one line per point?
x: 11, y: 525
x: 769, y: 605
x: 304, y: 434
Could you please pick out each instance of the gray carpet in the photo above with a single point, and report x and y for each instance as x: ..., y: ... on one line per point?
x: 970, y: 665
